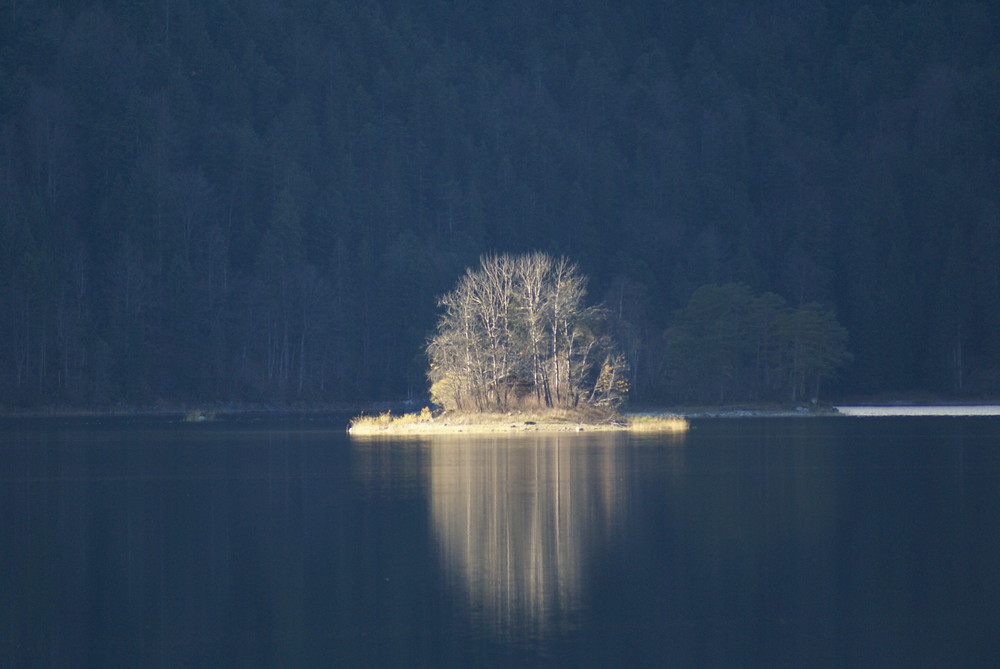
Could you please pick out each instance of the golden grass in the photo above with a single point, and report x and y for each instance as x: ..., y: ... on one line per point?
x: 385, y: 421
x: 542, y: 420
x: 658, y: 424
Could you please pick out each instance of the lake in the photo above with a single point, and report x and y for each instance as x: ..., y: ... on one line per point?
x: 280, y: 542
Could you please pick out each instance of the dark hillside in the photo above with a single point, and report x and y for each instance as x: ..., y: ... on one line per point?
x: 260, y: 199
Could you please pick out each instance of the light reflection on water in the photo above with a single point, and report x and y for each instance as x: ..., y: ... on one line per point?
x: 514, y: 519
x: 518, y: 521
x: 813, y: 542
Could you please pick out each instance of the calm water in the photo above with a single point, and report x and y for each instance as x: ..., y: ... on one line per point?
x: 845, y: 542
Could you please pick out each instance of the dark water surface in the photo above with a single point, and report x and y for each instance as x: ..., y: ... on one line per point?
x: 809, y: 542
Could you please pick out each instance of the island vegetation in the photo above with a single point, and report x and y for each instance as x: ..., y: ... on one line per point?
x: 517, y: 347
x: 732, y: 344
x: 517, y: 333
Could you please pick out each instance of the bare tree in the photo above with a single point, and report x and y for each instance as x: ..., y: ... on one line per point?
x: 533, y: 275
x: 516, y: 332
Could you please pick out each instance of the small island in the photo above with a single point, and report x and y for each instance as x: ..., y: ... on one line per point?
x: 515, y: 422
x: 517, y: 349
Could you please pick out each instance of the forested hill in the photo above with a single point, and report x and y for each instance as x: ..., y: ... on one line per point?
x: 261, y: 199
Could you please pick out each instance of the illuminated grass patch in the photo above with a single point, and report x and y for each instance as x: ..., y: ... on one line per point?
x: 550, y: 420
x: 658, y: 424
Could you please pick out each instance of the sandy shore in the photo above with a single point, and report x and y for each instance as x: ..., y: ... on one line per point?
x: 928, y: 410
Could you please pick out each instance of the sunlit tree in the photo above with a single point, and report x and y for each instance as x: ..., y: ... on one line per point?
x: 516, y: 332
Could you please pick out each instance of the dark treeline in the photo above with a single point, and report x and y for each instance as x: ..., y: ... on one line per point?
x: 729, y: 344
x: 260, y: 200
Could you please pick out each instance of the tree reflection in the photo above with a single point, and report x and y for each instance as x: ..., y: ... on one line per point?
x: 516, y: 521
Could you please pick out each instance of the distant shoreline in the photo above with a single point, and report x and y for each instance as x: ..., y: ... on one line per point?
x: 167, y: 410
x: 493, y: 425
x: 889, y: 410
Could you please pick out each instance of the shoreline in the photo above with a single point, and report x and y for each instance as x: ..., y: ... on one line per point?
x: 504, y: 422
x: 554, y: 421
x: 181, y: 410
x: 677, y: 420
x: 904, y: 410
x: 444, y: 429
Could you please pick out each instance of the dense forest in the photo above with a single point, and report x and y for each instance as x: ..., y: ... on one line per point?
x: 262, y: 200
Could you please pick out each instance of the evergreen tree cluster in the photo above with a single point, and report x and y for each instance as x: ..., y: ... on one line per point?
x: 260, y: 199
x: 729, y: 344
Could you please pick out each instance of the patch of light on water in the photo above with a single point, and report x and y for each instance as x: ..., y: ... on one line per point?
x: 937, y: 410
